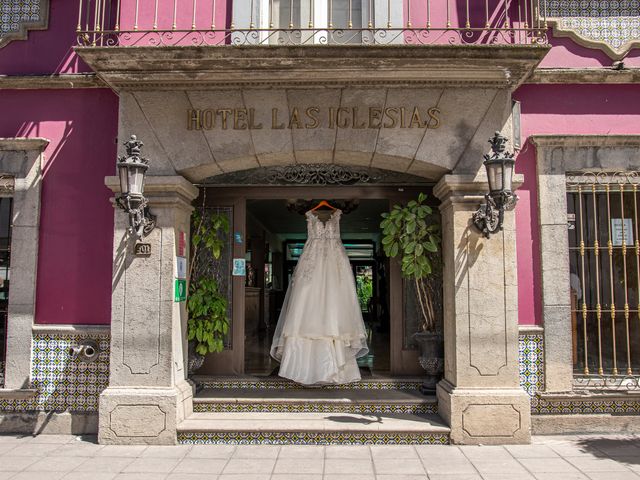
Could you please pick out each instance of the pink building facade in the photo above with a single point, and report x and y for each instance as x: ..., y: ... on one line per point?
x: 541, y: 318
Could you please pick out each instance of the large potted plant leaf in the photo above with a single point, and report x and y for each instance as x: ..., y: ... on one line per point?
x: 208, y: 322
x: 411, y: 234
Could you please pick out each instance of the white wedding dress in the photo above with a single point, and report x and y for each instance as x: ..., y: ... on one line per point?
x: 320, y: 332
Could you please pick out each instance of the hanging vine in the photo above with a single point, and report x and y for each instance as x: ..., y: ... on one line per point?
x: 208, y: 322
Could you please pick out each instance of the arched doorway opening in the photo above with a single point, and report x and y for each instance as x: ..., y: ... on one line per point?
x: 264, y: 208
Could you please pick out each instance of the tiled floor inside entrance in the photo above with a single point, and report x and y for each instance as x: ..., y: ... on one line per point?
x: 547, y: 458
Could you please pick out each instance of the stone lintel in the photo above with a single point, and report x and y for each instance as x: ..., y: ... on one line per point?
x: 158, y: 186
x: 65, y: 80
x: 155, y: 67
x: 485, y: 416
x: 585, y: 141
x: 574, y: 76
x: 23, y: 144
x: 466, y: 189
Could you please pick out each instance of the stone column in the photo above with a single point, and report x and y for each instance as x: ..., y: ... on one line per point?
x: 148, y: 393
x: 480, y: 396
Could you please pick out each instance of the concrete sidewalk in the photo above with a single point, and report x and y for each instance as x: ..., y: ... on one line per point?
x: 615, y: 457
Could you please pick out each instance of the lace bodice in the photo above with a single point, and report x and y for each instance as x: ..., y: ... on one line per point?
x: 317, y: 229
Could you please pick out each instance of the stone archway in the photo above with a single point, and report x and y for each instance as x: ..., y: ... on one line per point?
x: 149, y: 393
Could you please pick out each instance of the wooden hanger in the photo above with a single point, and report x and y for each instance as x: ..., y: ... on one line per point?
x: 323, y: 203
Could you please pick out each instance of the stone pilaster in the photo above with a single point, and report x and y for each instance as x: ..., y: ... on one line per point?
x: 21, y: 168
x: 480, y: 396
x: 148, y: 393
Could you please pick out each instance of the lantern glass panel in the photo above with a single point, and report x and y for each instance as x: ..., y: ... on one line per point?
x: 508, y: 176
x: 494, y: 175
x: 123, y: 173
x: 136, y: 180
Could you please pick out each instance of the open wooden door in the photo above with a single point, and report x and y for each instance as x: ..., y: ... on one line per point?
x: 231, y: 360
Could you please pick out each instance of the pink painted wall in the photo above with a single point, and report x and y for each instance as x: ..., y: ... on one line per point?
x: 76, y: 221
x: 567, y: 53
x: 46, y: 51
x: 560, y: 110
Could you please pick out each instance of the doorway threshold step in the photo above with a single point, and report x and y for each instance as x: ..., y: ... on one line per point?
x: 312, y: 429
x: 263, y: 382
x: 314, y: 400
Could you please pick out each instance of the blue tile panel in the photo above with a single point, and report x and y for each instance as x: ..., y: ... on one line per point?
x: 615, y: 23
x: 64, y: 383
x: 531, y: 362
x: 13, y: 13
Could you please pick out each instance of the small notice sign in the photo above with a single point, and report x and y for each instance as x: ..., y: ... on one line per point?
x: 182, y: 268
x: 182, y: 244
x: 622, y: 230
x: 180, y: 292
x: 239, y: 267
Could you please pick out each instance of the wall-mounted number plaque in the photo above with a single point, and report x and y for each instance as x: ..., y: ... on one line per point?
x: 143, y: 249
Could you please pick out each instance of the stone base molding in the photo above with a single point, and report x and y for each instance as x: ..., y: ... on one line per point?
x: 480, y: 396
x: 148, y: 392
x: 565, y: 424
x: 485, y: 416
x: 21, y: 161
x: 142, y: 415
x: 49, y: 423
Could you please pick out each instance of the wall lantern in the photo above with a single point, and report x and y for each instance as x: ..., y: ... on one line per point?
x: 499, y: 164
x: 131, y: 170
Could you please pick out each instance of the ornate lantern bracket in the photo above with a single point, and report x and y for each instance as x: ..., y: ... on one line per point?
x: 499, y: 164
x: 131, y: 170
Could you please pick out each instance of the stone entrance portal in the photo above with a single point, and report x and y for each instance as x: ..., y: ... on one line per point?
x: 395, y: 114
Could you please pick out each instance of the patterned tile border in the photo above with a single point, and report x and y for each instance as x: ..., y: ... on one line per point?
x: 64, y: 383
x: 541, y: 406
x: 531, y: 362
x: 312, y: 438
x: 362, y: 408
x: 284, y: 384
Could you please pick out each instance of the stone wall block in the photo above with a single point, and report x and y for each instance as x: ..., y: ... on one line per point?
x: 229, y: 142
x: 555, y: 264
x: 558, y: 348
x: 24, y: 254
x: 495, y: 118
x: 272, y: 146
x: 134, y: 121
x: 356, y: 145
x: 552, y: 199
x: 313, y: 145
x: 130, y: 416
x: 167, y: 113
x: 404, y: 142
x: 462, y: 110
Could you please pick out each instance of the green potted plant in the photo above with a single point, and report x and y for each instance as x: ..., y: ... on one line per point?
x: 411, y: 234
x: 208, y: 322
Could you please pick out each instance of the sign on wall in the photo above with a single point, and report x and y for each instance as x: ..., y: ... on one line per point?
x: 621, y: 230
x: 314, y: 117
x: 180, y: 290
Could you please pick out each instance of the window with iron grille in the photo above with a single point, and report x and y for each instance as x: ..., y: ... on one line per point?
x: 604, y: 254
x: 6, y: 204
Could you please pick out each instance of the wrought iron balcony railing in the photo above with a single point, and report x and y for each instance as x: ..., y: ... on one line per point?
x: 127, y: 23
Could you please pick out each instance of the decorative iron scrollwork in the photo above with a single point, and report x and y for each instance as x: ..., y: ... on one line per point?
x: 315, y: 174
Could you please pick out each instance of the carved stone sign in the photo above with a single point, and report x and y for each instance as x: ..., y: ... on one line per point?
x: 311, y: 118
